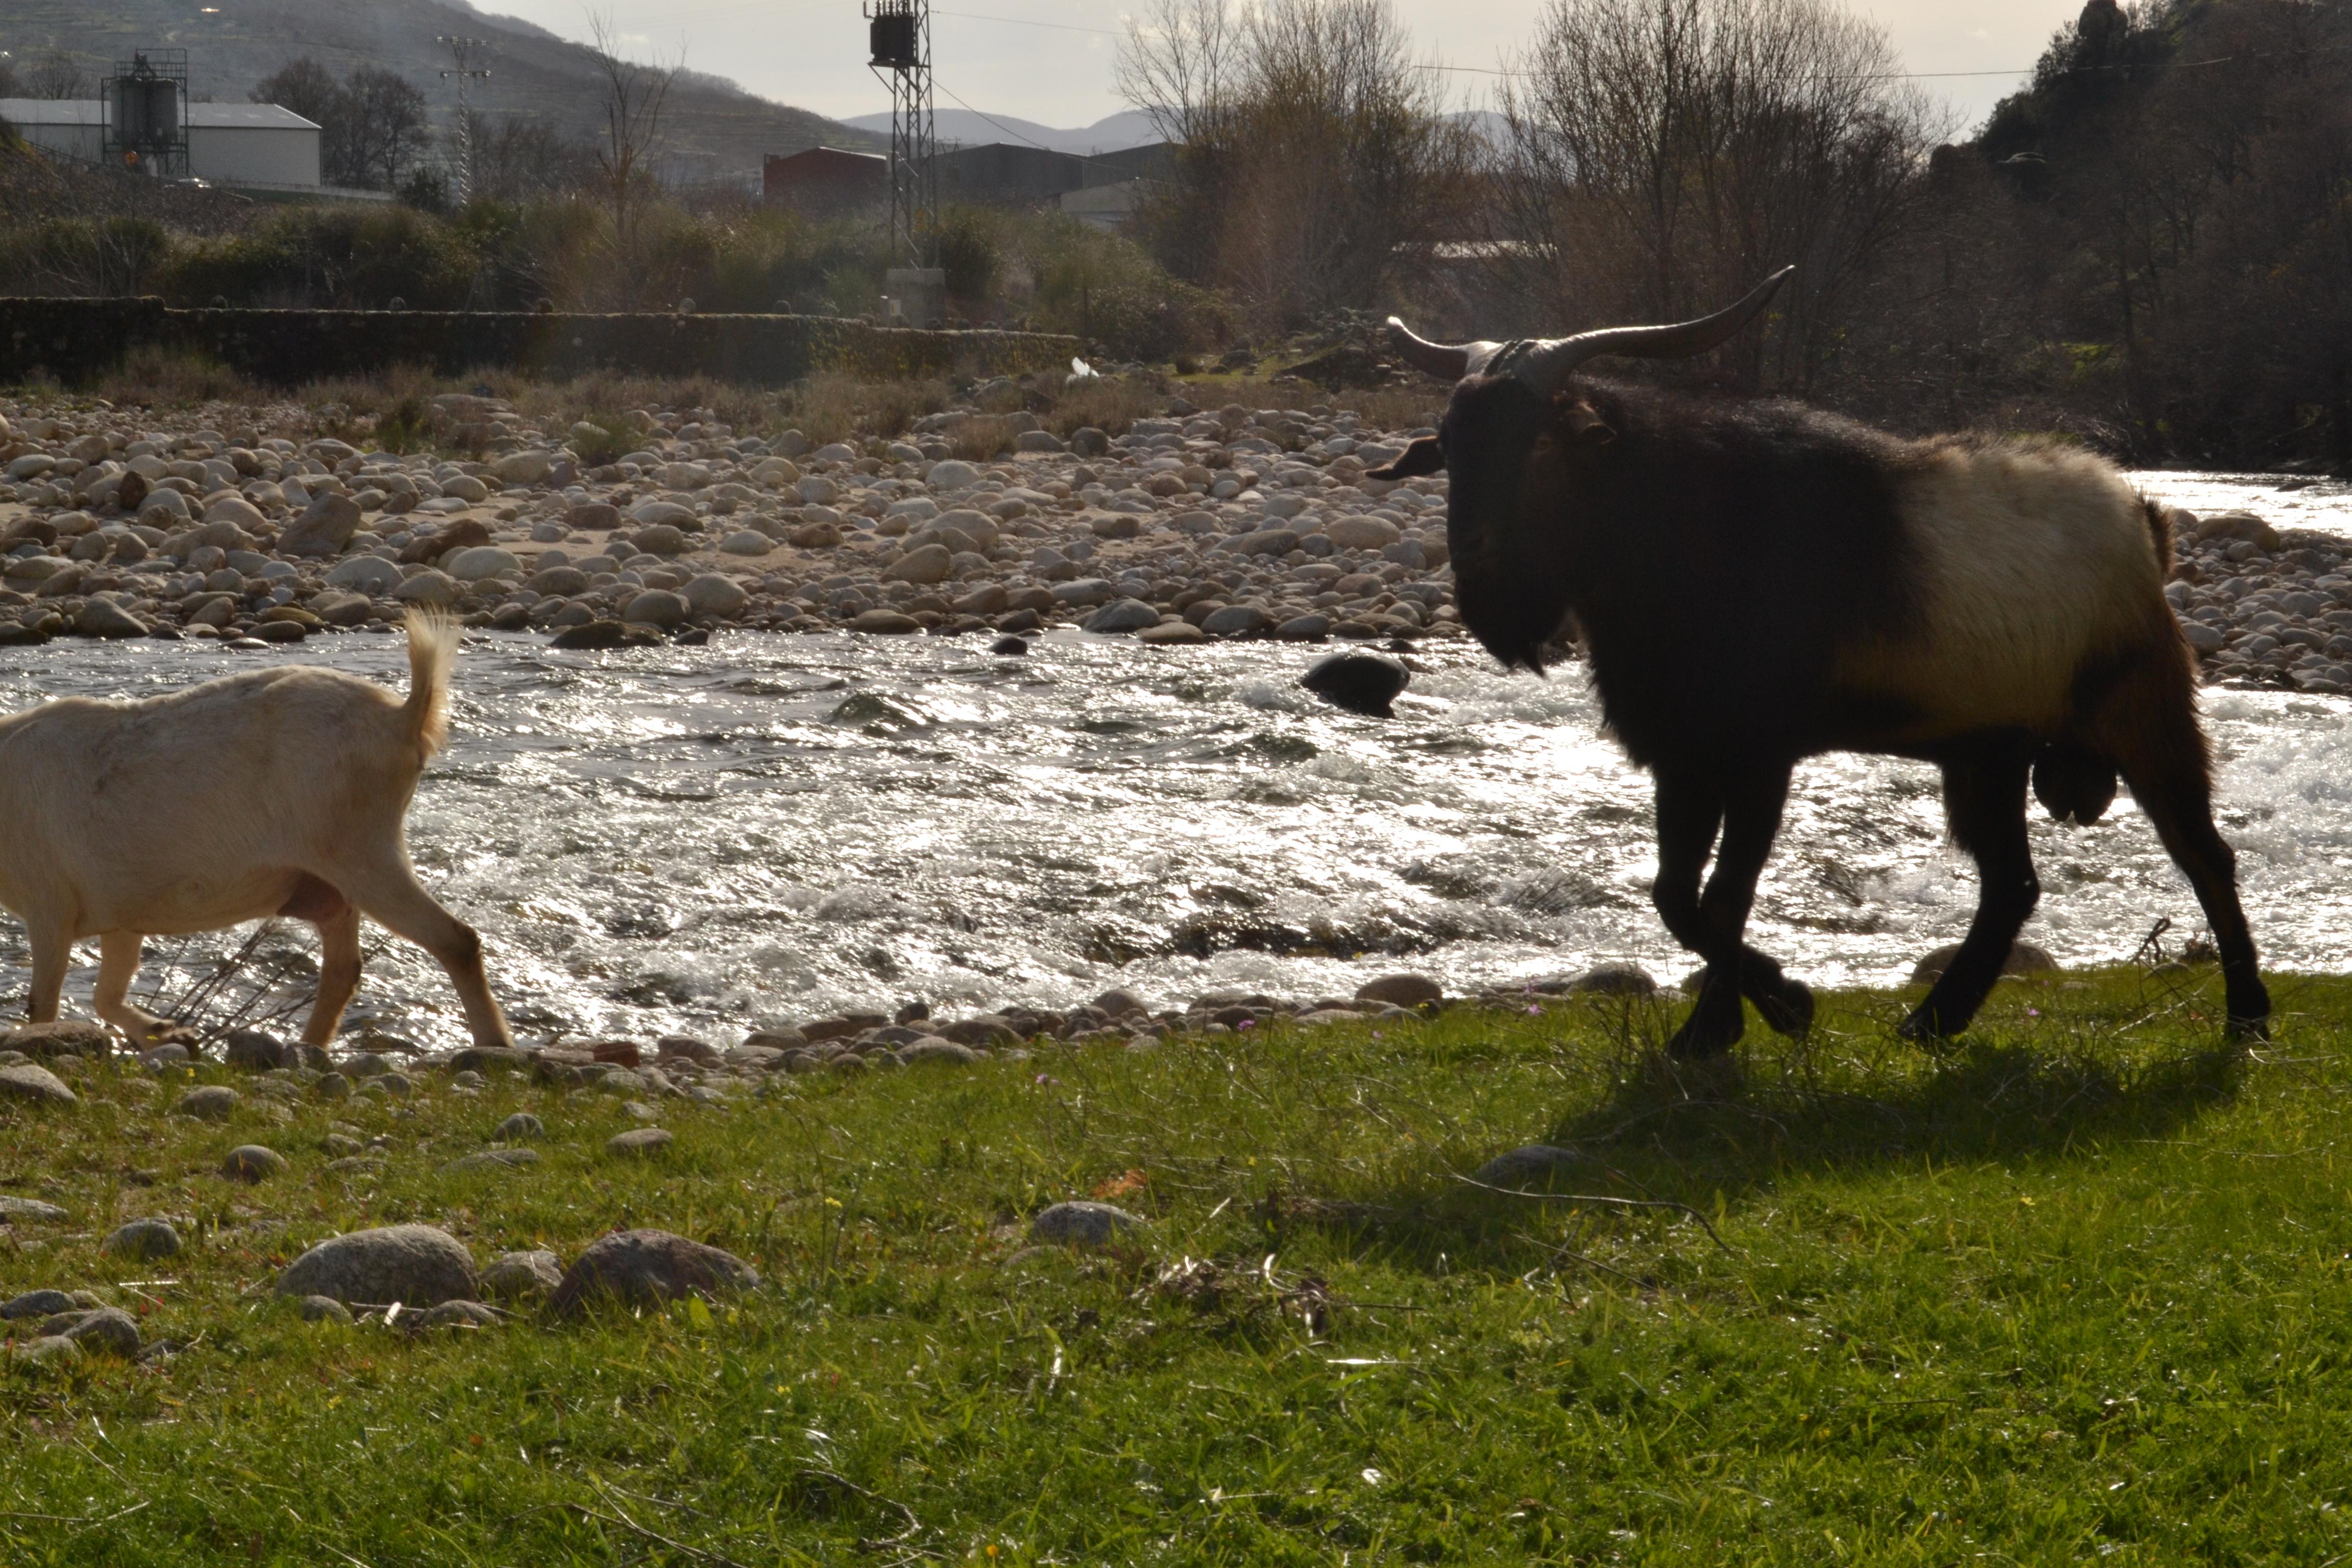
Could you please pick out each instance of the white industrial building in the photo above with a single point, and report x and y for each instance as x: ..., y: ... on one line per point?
x: 258, y: 145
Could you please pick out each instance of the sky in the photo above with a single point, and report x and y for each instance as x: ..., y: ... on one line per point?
x: 1051, y: 60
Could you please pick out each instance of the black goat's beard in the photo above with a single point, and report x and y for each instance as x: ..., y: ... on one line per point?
x: 1516, y: 616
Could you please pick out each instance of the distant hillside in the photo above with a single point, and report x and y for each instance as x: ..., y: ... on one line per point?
x: 714, y: 127
x: 1130, y: 128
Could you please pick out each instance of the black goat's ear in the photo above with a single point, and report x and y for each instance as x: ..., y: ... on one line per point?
x: 1426, y: 455
x: 1585, y: 428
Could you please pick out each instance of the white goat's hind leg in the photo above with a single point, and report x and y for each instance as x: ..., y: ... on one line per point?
x: 338, y: 975
x: 52, y: 948
x: 390, y: 896
x: 118, y: 964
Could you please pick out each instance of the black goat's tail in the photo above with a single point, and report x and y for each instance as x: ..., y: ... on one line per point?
x: 2071, y: 780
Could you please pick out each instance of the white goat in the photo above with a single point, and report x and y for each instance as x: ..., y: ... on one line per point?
x: 279, y: 793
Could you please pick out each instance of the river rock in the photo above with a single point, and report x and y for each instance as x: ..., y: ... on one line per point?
x: 1362, y: 533
x: 749, y: 541
x: 1400, y: 991
x: 714, y: 595
x: 558, y: 582
x: 1123, y: 615
x: 64, y: 1038
x: 419, y: 1264
x: 142, y: 1241
x: 98, y: 1330
x: 521, y: 1127
x: 1614, y: 980
x: 523, y: 1276
x: 19, y: 1210
x: 926, y: 564
x: 655, y: 607
x: 481, y: 561
x: 36, y: 1304
x: 1360, y: 682
x: 455, y: 1315
x: 1527, y: 1165
x: 494, y: 1160
x: 2024, y: 958
x: 523, y: 468
x: 432, y: 588
x: 662, y: 539
x: 953, y: 474
x: 105, y: 618
x: 1171, y: 634
x: 638, y: 1142
x: 647, y: 1269
x: 1236, y: 620
x: 463, y: 535
x: 325, y: 526
x: 210, y: 1102
x: 369, y: 574
x: 888, y: 622
x: 1081, y: 1224
x: 238, y: 510
x: 605, y: 634
x: 323, y: 1309
x: 29, y: 1081
x: 933, y: 1051
x: 252, y: 1162
x: 598, y: 515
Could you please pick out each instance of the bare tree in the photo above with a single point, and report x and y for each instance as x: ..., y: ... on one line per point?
x: 1315, y: 161
x: 518, y: 157
x: 1664, y: 154
x: 635, y: 94
x: 387, y: 131
x: 58, y: 76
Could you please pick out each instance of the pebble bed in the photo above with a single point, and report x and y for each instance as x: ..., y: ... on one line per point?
x: 1190, y: 527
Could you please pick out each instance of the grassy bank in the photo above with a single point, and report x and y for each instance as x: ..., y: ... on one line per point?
x: 2074, y: 1291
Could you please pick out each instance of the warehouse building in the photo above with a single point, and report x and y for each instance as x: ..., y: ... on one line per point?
x: 257, y: 146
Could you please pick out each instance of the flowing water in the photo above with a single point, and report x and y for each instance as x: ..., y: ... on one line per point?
x: 692, y: 839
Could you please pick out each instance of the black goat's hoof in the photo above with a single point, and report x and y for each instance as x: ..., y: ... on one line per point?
x: 1701, y: 1040
x: 2254, y: 1030
x: 1924, y: 1028
x: 1790, y: 1010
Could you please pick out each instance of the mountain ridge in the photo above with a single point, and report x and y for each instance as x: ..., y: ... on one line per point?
x: 711, y: 125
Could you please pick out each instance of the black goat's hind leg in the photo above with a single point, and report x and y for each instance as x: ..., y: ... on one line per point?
x: 2171, y: 788
x: 1984, y: 796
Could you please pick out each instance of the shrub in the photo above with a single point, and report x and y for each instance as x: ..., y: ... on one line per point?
x: 329, y: 257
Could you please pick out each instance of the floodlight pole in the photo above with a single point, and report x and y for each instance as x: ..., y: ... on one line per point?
x: 461, y: 49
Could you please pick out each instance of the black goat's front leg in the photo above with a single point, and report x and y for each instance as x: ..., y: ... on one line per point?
x: 1984, y: 799
x: 1691, y: 807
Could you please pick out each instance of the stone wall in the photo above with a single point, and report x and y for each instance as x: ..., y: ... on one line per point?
x: 77, y: 339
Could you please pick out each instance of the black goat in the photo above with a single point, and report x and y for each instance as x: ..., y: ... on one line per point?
x: 1757, y: 583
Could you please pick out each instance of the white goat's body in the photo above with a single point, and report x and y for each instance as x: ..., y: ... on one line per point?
x: 173, y: 813
x: 279, y: 792
x: 2031, y: 563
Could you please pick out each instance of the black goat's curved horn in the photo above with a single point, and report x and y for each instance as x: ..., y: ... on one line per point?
x: 1447, y: 362
x: 1545, y: 365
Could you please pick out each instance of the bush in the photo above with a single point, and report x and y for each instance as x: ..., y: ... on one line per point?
x: 82, y: 255
x: 335, y: 258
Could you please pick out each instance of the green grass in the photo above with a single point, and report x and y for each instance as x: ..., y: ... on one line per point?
x: 2075, y: 1290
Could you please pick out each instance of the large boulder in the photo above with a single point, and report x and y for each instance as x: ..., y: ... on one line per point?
x: 418, y: 1265
x: 37, y: 1084
x: 647, y: 1267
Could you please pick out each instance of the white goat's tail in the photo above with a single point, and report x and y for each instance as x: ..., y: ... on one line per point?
x: 432, y: 649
